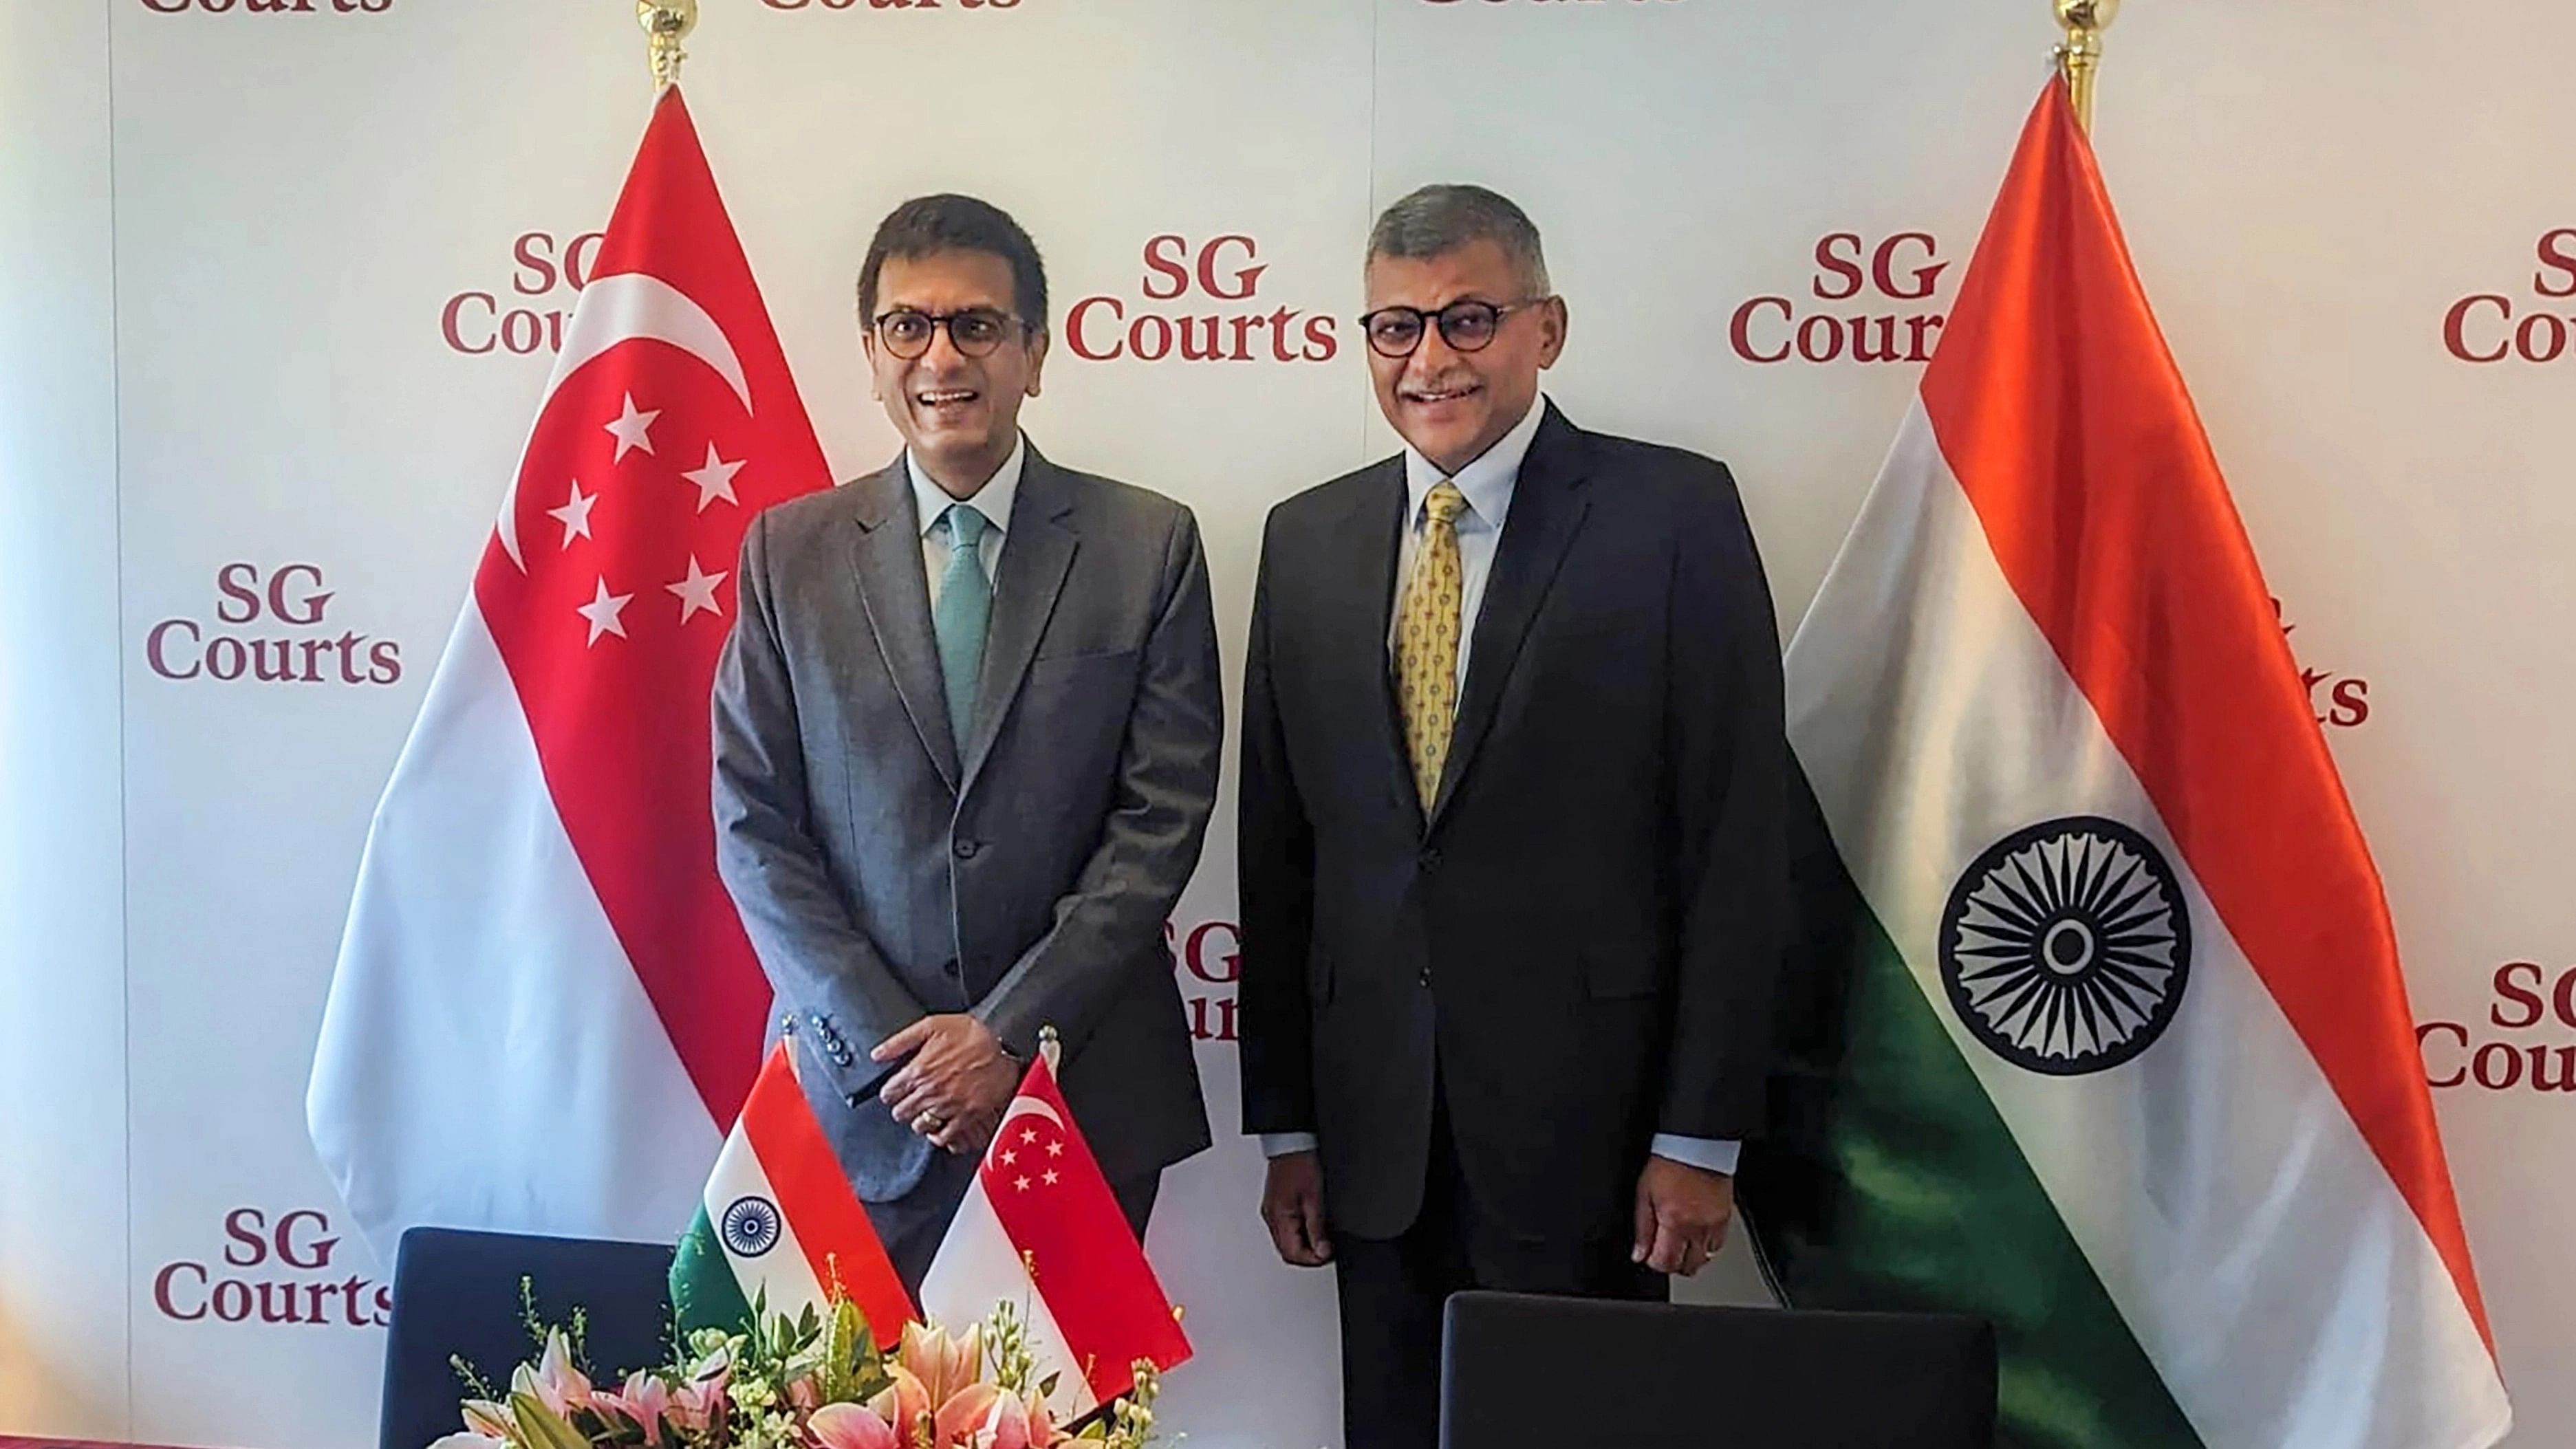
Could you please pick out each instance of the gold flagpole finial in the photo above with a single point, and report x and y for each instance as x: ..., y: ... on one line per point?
x: 2081, y: 53
x: 666, y: 23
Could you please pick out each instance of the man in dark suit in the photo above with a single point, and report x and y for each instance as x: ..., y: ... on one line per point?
x: 1513, y: 867
x: 966, y: 739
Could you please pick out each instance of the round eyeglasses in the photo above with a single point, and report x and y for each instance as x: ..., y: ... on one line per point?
x: 976, y: 331
x: 1467, y: 325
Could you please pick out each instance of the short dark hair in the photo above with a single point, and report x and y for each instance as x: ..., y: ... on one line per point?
x: 1437, y: 220
x: 951, y: 223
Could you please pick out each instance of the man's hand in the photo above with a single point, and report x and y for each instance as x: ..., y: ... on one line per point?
x: 1292, y: 1206
x: 1682, y: 1213
x: 957, y: 1084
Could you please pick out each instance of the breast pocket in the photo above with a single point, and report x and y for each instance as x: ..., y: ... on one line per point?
x: 1080, y: 702
x: 1079, y: 658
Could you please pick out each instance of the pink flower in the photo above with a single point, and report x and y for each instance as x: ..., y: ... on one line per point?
x: 944, y: 1364
x: 964, y: 1417
x: 804, y: 1395
x: 701, y: 1402
x: 644, y: 1400
x: 555, y: 1382
x: 847, y: 1426
x: 983, y: 1417
x: 489, y: 1420
x: 469, y: 1441
x: 905, y: 1404
x: 1043, y: 1433
x: 1007, y: 1426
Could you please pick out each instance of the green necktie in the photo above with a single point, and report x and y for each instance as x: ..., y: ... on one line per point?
x: 965, y: 607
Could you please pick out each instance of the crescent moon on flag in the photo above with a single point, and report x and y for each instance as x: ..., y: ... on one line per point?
x: 1027, y: 1106
x: 626, y: 307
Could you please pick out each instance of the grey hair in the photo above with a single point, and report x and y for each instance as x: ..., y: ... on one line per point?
x: 1437, y: 220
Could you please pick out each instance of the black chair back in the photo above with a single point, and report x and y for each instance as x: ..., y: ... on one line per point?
x: 1521, y: 1372
x: 457, y: 1293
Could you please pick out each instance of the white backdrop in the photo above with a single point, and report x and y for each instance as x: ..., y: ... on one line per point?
x: 279, y: 281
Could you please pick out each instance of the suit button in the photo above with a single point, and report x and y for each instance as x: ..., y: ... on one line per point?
x: 1430, y: 860
x: 1425, y: 977
x: 966, y: 849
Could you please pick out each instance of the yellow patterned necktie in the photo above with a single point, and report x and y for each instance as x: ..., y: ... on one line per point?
x: 1426, y: 647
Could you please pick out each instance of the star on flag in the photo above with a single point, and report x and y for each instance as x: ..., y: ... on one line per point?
x: 632, y: 429
x: 575, y: 514
x: 697, y: 592
x: 715, y: 480
x: 602, y: 612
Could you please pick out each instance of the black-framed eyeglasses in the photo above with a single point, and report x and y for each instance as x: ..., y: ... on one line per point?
x: 975, y: 331
x: 1467, y: 325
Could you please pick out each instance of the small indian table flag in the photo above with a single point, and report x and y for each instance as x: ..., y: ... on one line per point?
x: 778, y: 1223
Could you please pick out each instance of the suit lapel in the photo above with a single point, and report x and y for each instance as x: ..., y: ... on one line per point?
x: 1548, y: 505
x: 1037, y: 552
x: 896, y: 592
x: 1371, y: 535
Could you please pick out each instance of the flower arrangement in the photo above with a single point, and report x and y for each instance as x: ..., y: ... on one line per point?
x: 816, y: 1381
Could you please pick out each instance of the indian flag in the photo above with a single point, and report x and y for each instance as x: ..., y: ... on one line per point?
x: 779, y: 1224
x: 2106, y: 1041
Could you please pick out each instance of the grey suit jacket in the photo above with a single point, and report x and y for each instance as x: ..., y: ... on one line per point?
x: 881, y: 876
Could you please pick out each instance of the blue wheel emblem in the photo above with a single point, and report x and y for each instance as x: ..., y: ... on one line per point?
x: 751, y: 1226
x: 2066, y: 946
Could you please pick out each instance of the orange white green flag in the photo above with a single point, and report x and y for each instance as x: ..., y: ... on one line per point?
x: 2106, y: 1040
x: 778, y: 1225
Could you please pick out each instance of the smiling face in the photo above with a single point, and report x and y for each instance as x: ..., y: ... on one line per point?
x: 960, y: 415
x: 1451, y: 405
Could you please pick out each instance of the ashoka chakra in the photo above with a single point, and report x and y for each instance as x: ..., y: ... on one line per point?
x: 751, y: 1226
x: 2066, y: 946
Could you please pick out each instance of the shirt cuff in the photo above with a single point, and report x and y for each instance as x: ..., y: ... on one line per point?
x: 1280, y: 1144
x: 1708, y: 1154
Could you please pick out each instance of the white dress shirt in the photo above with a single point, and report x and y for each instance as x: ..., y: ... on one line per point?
x: 993, y: 500
x: 1487, y: 484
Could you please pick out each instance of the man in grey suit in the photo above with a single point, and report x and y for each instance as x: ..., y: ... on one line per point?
x: 966, y: 738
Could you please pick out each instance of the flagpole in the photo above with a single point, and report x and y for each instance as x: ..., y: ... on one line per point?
x: 666, y: 23
x: 2081, y: 54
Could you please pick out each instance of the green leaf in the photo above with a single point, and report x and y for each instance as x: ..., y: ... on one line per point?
x: 542, y: 1428
x: 1046, y: 1386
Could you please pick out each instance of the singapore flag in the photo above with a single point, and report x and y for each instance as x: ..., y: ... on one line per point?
x: 545, y: 1013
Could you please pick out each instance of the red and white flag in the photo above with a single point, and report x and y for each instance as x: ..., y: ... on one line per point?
x: 1040, y: 1230
x: 546, y: 1012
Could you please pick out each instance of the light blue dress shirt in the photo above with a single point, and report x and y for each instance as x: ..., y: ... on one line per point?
x: 1487, y: 484
x: 993, y: 500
